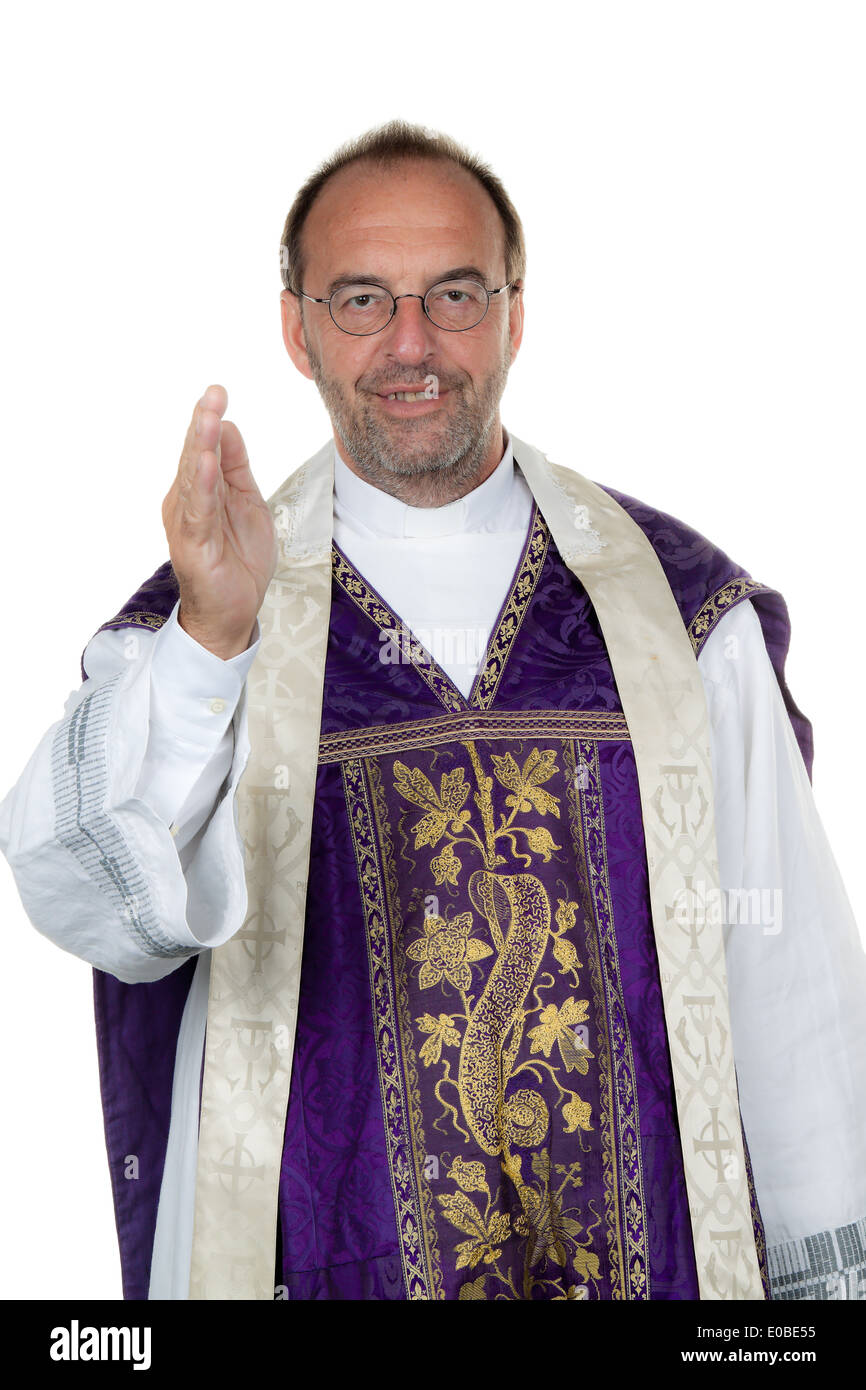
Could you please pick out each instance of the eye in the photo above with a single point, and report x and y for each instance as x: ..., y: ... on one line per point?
x: 452, y: 295
x: 359, y: 298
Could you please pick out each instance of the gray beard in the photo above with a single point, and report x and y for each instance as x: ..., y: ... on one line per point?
x: 419, y: 465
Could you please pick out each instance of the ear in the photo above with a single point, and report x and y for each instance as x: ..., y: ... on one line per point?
x: 294, y: 336
x: 515, y: 321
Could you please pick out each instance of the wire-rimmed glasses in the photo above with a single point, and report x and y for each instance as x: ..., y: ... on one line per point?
x: 452, y: 305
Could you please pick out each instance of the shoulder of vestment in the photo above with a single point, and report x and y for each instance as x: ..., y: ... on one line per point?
x: 707, y: 584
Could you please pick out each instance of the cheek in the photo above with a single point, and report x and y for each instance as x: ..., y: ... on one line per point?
x: 476, y: 367
x: 353, y: 365
x: 479, y: 359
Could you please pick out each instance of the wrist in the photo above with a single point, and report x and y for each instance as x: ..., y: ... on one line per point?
x: 224, y: 643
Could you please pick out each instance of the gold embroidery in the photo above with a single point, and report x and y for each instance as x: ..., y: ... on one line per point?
x: 517, y: 912
x: 623, y: 1166
x: 420, y: 1237
x: 446, y: 816
x: 599, y: 725
x: 516, y: 606
x: 607, y: 1102
x: 448, y: 951
x: 718, y: 604
x: 400, y: 1105
x: 501, y: 1056
x: 142, y: 618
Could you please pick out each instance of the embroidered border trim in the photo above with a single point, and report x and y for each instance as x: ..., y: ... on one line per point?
x: 140, y: 618
x: 618, y: 1272
x: 828, y: 1265
x: 598, y: 725
x: 516, y: 606
x: 79, y: 769
x: 717, y: 606
x: 406, y: 1181
x: 418, y: 1143
x: 626, y: 1123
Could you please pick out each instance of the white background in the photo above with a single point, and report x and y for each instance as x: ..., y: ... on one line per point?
x: 690, y: 179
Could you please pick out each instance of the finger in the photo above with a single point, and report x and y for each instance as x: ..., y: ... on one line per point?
x: 196, y: 500
x: 204, y: 430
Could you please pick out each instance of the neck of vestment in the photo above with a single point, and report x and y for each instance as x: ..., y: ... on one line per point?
x: 368, y: 510
x: 444, y: 569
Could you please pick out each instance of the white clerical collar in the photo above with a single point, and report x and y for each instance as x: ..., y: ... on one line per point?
x: 359, y: 502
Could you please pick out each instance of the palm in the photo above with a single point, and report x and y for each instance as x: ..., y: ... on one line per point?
x: 220, y: 532
x: 243, y: 548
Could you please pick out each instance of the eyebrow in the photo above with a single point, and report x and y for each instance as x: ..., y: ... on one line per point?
x: 459, y: 272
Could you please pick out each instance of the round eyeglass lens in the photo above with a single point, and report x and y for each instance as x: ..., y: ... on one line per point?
x: 457, y: 304
x: 361, y: 308
x: 454, y: 305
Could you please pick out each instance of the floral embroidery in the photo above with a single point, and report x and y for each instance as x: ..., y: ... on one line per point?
x: 459, y: 861
x: 490, y: 1029
x: 442, y: 1034
x: 443, y: 807
x: 557, y: 1026
x: 448, y: 951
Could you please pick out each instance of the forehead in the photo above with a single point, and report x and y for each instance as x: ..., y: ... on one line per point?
x: 398, y: 219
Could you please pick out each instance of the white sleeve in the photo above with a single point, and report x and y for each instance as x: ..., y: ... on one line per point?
x: 796, y: 978
x: 122, y: 830
x: 194, y: 698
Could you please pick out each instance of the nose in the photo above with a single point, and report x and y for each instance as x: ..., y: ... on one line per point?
x: 410, y: 333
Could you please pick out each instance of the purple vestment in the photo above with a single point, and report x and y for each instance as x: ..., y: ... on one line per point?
x: 481, y: 1101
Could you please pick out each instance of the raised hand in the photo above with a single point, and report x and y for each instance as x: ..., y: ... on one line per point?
x: 221, y: 535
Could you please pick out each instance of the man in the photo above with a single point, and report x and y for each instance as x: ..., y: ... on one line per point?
x: 430, y: 966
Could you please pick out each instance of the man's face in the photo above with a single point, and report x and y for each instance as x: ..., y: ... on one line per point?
x: 406, y: 228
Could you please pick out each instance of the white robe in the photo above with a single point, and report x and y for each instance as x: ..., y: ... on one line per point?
x: 176, y: 735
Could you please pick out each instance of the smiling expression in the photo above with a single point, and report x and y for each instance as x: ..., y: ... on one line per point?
x: 407, y: 227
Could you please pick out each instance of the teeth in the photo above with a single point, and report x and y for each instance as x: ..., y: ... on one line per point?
x: 407, y: 396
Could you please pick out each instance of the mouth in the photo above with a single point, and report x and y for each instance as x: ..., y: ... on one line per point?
x: 410, y: 401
